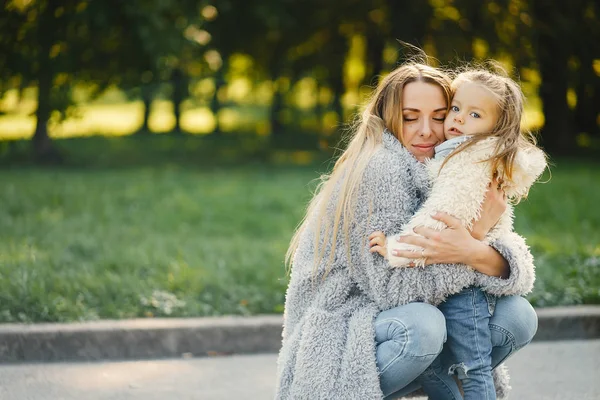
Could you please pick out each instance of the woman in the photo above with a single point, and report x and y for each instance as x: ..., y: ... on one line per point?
x: 354, y: 328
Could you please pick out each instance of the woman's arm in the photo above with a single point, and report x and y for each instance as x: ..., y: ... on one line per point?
x: 506, y: 265
x: 456, y: 245
x: 521, y: 277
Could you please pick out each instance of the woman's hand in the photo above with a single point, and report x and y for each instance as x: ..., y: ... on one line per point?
x: 451, y: 245
x: 377, y: 242
x: 492, y: 209
x: 454, y: 245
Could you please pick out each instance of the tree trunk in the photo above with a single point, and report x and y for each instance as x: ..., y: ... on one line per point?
x: 375, y: 45
x: 215, y: 105
x: 180, y: 91
x: 411, y: 27
x: 277, y: 102
x: 588, y: 82
x: 588, y: 97
x: 147, y: 99
x: 43, y: 149
x: 337, y: 84
x: 318, y: 109
x: 276, y: 108
x: 552, y: 56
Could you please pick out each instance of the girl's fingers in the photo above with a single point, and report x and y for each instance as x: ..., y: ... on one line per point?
x: 378, y: 249
x: 376, y: 240
x: 374, y: 234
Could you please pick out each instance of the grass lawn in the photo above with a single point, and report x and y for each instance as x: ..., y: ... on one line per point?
x: 185, y: 239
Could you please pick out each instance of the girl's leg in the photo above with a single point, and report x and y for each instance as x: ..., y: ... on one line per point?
x: 467, y: 352
x: 512, y: 326
x: 408, y: 339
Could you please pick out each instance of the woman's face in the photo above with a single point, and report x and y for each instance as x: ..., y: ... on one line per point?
x: 423, y: 111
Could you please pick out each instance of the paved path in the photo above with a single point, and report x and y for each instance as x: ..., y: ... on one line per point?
x: 543, y: 371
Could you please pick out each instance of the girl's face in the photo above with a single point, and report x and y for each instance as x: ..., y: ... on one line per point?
x: 423, y: 112
x: 474, y: 110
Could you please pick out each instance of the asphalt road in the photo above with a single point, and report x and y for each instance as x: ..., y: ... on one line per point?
x: 568, y: 370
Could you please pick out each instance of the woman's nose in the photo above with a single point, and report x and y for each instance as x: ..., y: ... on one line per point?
x: 426, y: 129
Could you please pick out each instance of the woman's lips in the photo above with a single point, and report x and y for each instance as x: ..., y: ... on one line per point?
x: 424, y: 147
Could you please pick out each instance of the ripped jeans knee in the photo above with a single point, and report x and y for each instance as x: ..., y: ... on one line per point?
x: 460, y: 370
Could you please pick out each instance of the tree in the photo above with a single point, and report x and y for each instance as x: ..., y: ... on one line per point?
x: 48, y: 43
x: 59, y: 44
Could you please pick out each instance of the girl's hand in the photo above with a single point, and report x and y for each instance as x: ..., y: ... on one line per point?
x: 377, y: 242
x: 492, y: 209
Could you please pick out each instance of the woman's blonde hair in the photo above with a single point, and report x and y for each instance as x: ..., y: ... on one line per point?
x: 510, y: 100
x: 383, y: 111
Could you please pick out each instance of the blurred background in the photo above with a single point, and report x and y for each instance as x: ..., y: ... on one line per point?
x: 156, y: 155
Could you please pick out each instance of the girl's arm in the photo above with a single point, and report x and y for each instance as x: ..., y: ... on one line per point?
x: 459, y: 189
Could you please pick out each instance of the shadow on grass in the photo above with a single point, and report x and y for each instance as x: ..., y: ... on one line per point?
x: 157, y: 150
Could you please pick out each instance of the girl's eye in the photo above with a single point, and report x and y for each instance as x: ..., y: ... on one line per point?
x: 454, y: 108
x: 475, y: 115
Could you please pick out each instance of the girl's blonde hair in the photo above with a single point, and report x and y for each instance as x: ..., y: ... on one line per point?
x: 383, y: 111
x: 510, y: 101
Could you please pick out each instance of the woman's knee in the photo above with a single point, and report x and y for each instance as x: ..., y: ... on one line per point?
x: 421, y: 325
x: 516, y: 317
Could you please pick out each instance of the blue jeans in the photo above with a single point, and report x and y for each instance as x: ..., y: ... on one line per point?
x: 468, y: 349
x: 410, y: 337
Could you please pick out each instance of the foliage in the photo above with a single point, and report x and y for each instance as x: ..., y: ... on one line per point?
x: 343, y: 44
x: 59, y: 45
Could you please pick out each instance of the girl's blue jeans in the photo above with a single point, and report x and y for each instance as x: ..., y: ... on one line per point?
x: 410, y: 337
x: 467, y: 351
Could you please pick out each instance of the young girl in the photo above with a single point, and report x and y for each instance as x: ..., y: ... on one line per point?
x: 484, y: 144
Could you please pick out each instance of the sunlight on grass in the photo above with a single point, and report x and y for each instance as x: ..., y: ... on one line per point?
x: 120, y: 119
x: 115, y: 120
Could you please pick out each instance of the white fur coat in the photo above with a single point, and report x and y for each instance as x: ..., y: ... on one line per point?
x: 459, y: 189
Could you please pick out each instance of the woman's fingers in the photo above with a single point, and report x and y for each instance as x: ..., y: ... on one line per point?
x: 407, y: 254
x: 416, y: 240
x: 427, y: 233
x: 448, y: 219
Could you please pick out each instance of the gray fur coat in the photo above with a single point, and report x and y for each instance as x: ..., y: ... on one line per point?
x: 328, y: 348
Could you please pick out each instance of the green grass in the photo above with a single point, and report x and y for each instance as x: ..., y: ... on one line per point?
x: 561, y: 221
x: 189, y: 238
